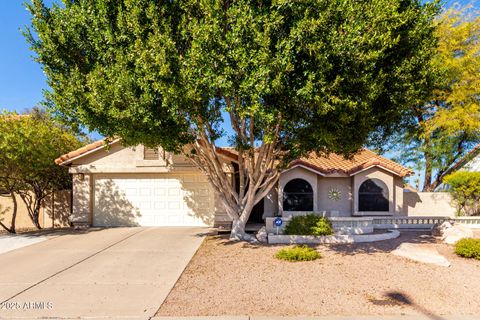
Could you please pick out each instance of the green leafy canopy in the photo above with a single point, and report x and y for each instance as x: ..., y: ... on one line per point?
x: 158, y: 72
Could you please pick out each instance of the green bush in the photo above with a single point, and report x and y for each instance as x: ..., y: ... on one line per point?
x: 309, y: 225
x: 465, y: 190
x: 298, y: 253
x: 468, y: 248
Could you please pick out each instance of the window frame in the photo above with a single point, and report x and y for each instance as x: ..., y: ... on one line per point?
x: 309, y: 196
x: 385, y: 194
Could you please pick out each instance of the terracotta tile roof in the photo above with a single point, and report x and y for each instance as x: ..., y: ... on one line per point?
x: 334, y: 163
x: 364, y: 159
x: 83, y: 150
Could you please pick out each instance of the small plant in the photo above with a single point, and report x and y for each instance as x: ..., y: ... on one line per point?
x: 468, y: 248
x: 309, y: 225
x: 298, y: 253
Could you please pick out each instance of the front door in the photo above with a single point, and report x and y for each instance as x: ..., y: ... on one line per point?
x: 256, y: 216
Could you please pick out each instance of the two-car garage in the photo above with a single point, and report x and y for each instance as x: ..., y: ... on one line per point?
x: 152, y: 200
x: 137, y: 186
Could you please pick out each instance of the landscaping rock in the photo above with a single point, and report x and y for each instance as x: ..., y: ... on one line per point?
x: 421, y: 253
x: 455, y: 233
x: 262, y: 235
x: 439, y: 228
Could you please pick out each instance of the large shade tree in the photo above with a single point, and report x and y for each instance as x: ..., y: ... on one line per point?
x: 289, y: 76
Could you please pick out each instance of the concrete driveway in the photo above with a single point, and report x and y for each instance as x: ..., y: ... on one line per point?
x: 118, y: 272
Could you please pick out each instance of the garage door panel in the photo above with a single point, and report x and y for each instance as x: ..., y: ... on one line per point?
x: 165, y: 200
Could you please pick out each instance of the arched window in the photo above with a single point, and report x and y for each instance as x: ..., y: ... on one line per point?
x: 298, y: 196
x: 373, y: 196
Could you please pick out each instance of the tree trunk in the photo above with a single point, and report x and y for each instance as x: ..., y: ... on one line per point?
x: 238, y: 225
x: 14, y: 214
x: 258, y: 170
x: 36, y: 214
x: 12, y: 228
x: 238, y: 230
x: 427, y: 184
x: 33, y: 204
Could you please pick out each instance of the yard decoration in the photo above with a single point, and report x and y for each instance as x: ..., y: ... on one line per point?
x: 290, y: 77
x: 334, y: 194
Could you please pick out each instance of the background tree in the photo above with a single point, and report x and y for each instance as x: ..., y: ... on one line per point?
x: 29, y: 144
x: 9, y: 182
x: 465, y: 189
x: 290, y: 77
x: 445, y: 124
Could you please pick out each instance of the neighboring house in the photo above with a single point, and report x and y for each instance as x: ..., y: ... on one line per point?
x: 470, y: 162
x: 119, y: 186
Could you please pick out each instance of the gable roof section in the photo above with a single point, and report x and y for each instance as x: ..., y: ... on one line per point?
x: 83, y: 151
x: 363, y: 160
x: 100, y: 144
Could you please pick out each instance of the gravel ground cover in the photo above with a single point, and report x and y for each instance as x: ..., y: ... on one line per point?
x: 227, y: 278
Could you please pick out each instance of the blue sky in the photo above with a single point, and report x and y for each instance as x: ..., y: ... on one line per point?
x: 22, y: 79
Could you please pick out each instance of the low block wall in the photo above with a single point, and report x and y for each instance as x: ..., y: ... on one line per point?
x: 55, y: 212
x: 470, y: 222
x: 428, y: 204
x: 352, y: 238
x: 407, y: 222
x: 342, y: 225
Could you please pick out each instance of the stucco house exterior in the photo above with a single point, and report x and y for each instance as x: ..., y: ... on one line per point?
x: 124, y: 186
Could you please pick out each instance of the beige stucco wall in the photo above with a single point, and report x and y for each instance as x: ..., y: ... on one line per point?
x: 271, y: 203
x: 82, y: 199
x: 119, y: 159
x: 59, y: 218
x: 398, y: 193
x: 22, y: 220
x: 428, y: 204
x: 57, y: 214
x: 344, y: 205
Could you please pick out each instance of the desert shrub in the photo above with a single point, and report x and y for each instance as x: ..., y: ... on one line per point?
x: 468, y: 248
x: 310, y: 225
x: 465, y: 190
x: 298, y: 253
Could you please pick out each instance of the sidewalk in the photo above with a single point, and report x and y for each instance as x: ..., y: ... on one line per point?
x: 399, y: 317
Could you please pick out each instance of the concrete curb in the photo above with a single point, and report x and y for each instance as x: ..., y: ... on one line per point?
x: 391, y: 317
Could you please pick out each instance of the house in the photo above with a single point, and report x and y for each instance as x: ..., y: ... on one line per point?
x: 119, y: 186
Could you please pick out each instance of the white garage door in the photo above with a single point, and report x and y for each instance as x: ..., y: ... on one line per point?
x: 153, y: 200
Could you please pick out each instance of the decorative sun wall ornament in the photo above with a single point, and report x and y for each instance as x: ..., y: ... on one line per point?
x: 334, y: 194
